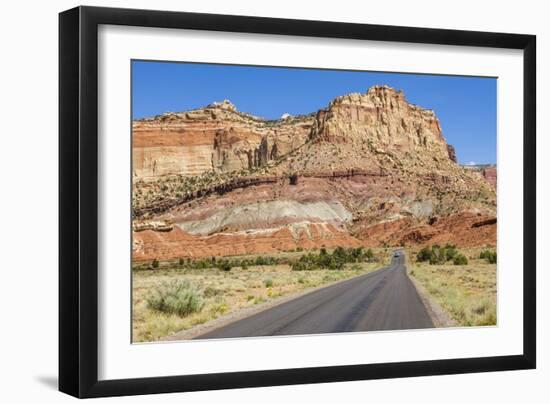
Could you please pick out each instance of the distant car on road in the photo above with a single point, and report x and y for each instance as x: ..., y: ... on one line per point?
x: 396, y: 254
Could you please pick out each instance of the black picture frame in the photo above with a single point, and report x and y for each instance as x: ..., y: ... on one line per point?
x: 78, y: 201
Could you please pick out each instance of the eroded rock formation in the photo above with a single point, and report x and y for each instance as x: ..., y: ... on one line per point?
x: 217, y: 137
x: 370, y: 169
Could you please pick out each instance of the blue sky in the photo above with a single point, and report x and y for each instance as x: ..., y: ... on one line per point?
x: 466, y: 106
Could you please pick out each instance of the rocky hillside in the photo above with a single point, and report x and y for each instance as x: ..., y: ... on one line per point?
x: 487, y: 171
x: 369, y: 169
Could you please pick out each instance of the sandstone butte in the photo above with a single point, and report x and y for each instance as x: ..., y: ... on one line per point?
x: 368, y: 170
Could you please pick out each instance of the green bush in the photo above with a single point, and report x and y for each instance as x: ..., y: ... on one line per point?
x: 433, y: 259
x: 268, y: 282
x: 335, y: 261
x: 442, y: 255
x: 224, y: 265
x: 155, y: 264
x: 437, y: 255
x: 300, y: 266
x: 181, y: 298
x: 460, y: 259
x: 369, y: 255
x: 266, y: 261
x: 323, y: 260
x: 425, y: 254
x: 490, y: 256
x: 450, y: 252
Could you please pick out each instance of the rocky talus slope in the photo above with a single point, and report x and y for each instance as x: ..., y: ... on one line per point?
x: 487, y: 171
x: 370, y: 169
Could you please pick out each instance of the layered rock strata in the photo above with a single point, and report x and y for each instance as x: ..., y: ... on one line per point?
x: 369, y: 169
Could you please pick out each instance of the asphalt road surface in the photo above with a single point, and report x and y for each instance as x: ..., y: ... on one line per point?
x: 381, y: 300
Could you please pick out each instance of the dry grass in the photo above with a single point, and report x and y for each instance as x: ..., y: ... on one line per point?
x: 223, y: 292
x: 468, y: 293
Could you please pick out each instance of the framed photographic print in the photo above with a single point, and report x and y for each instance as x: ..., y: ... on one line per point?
x: 251, y: 201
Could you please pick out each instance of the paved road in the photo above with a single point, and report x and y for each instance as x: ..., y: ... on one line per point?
x: 381, y: 300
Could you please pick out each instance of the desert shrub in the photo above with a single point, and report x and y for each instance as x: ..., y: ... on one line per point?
x: 339, y: 252
x: 224, y: 265
x: 204, y: 264
x: 300, y: 266
x: 268, y: 283
x: 211, y: 292
x: 178, y: 297
x: 357, y: 253
x: 460, y: 259
x: 335, y: 261
x: 424, y: 254
x: 181, y: 261
x: 369, y: 255
x: 450, y: 252
x: 442, y: 255
x: 228, y: 264
x: 220, y: 308
x: 263, y: 260
x: 200, y: 264
x: 490, y: 256
x: 434, y: 260
x: 259, y: 299
x: 437, y: 255
x: 155, y: 264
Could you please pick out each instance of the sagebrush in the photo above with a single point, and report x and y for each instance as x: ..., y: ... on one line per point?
x: 178, y: 297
